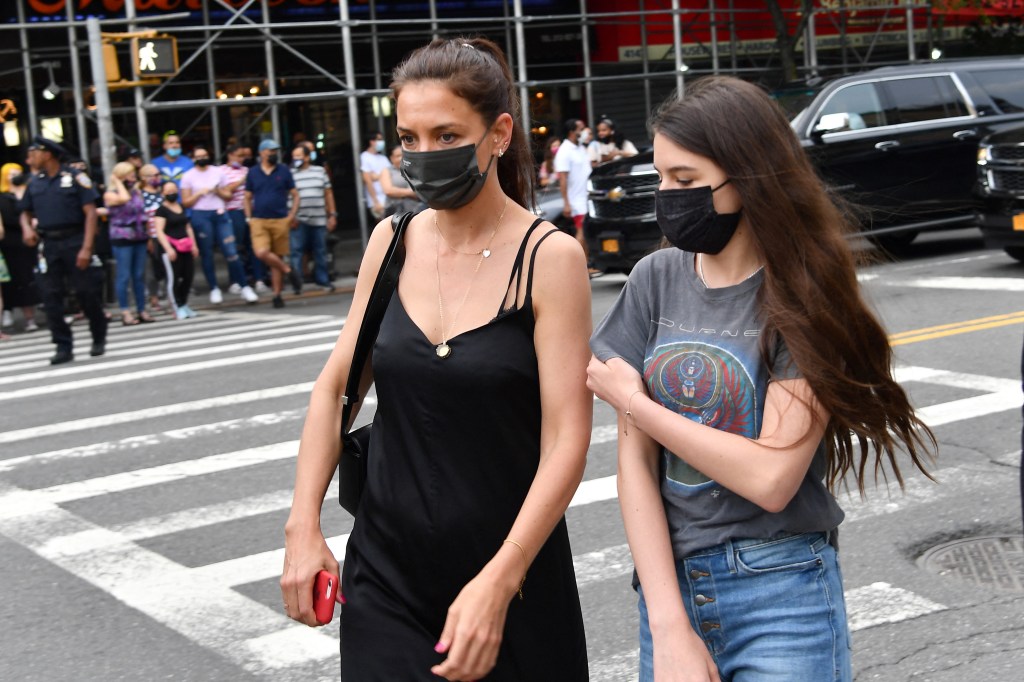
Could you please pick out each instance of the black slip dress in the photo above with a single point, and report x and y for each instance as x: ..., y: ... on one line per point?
x: 455, y: 448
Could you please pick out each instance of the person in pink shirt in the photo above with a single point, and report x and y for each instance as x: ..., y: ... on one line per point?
x: 205, y: 190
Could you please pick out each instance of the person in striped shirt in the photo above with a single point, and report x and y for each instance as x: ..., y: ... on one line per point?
x: 316, y: 217
x: 234, y: 172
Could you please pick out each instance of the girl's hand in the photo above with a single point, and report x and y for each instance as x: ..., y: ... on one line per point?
x: 172, y: 255
x: 614, y: 381
x: 473, y: 631
x: 195, y: 254
x: 685, y: 659
x: 305, y: 555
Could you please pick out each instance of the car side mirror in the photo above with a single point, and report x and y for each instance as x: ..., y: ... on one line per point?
x: 830, y: 123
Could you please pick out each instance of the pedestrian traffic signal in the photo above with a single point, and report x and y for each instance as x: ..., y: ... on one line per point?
x: 154, y: 57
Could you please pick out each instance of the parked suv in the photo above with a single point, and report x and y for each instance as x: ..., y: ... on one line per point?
x: 899, y: 143
x: 1001, y: 189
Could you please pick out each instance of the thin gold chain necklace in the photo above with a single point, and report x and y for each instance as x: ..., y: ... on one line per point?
x: 443, y: 350
x: 486, y: 251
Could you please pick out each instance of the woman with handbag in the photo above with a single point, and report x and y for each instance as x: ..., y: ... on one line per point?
x: 458, y: 565
x: 750, y: 378
x: 180, y: 249
x: 129, y: 234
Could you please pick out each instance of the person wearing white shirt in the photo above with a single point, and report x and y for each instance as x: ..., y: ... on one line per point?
x: 572, y: 163
x: 372, y: 162
x: 609, y: 144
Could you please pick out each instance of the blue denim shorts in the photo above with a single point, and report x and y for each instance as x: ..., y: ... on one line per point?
x: 768, y: 610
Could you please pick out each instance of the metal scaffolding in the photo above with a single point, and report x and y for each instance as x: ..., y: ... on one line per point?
x: 671, y: 67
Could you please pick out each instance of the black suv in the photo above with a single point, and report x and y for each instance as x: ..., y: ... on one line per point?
x: 1001, y: 188
x: 899, y: 143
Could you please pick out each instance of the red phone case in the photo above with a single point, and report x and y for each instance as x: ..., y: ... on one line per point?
x: 324, y: 588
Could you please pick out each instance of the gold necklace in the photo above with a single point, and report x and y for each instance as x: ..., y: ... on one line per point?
x: 486, y: 251
x: 443, y: 350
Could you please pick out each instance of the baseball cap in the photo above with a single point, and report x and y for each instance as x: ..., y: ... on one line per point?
x: 269, y: 144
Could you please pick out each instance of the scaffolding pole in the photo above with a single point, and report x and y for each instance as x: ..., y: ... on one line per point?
x: 99, y: 77
x: 353, y: 120
x: 524, y: 93
x: 142, y: 121
x: 646, y: 62
x: 677, y: 47
x: 268, y: 48
x: 588, y: 89
x: 376, y: 63
x: 211, y: 86
x: 26, y: 64
x: 714, y: 37
x: 76, y: 82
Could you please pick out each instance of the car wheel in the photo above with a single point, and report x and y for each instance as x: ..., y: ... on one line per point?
x: 1015, y: 252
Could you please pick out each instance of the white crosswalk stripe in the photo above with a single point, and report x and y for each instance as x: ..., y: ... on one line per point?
x: 201, y: 601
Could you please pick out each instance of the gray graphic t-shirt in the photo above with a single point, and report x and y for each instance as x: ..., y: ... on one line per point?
x: 699, y: 352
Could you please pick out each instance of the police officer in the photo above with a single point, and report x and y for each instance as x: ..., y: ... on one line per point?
x: 64, y: 202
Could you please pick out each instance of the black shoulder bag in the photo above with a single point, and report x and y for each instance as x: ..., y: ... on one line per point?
x: 355, y: 445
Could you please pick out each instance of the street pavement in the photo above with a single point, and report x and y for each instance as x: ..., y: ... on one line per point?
x: 143, y: 495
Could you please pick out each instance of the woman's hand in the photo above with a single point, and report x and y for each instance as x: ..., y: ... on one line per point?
x: 684, y: 659
x: 473, y: 631
x: 172, y: 255
x: 305, y: 554
x: 195, y: 249
x: 614, y: 382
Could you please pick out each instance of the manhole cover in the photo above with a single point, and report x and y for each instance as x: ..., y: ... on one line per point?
x: 995, y: 561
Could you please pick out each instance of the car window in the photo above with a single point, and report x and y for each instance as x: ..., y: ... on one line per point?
x: 926, y: 98
x: 1005, y: 87
x: 860, y: 102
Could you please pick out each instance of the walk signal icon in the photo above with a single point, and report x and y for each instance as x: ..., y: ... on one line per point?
x: 155, y: 56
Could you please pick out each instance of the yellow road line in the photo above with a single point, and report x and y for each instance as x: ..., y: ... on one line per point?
x: 954, y: 328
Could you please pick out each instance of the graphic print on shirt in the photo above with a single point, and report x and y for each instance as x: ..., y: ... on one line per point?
x: 706, y: 384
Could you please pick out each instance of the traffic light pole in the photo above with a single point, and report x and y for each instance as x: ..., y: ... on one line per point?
x: 140, y: 113
x: 99, y: 77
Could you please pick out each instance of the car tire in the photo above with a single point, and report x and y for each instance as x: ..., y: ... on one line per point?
x: 1015, y: 252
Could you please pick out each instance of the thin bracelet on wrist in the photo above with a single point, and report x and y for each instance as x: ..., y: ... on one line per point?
x: 629, y: 413
x: 526, y: 565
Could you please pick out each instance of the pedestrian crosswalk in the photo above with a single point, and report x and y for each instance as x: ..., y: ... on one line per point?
x: 160, y: 474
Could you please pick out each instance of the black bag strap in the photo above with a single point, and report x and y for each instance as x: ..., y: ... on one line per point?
x: 380, y: 296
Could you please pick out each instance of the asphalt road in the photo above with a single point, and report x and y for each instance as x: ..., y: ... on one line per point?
x: 143, y: 494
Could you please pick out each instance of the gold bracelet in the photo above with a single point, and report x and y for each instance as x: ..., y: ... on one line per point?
x: 629, y: 413
x: 525, y: 564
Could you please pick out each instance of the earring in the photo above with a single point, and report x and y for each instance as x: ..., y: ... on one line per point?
x: 501, y: 153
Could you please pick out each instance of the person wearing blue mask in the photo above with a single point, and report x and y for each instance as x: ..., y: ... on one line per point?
x: 171, y: 163
x: 373, y: 162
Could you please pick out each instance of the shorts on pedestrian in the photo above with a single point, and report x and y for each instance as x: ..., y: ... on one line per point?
x: 577, y: 220
x: 270, y: 234
x: 768, y: 610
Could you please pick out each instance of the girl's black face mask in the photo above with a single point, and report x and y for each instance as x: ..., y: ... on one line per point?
x: 688, y: 219
x: 449, y: 178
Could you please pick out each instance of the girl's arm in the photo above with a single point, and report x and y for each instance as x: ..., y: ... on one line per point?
x: 767, y: 471
x: 561, y: 295
x: 306, y: 551
x: 679, y: 653
x: 160, y: 224
x: 117, y: 195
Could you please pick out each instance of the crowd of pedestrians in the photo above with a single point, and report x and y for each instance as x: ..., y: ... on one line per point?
x: 60, y: 231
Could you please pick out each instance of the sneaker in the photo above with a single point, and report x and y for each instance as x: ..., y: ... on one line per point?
x: 31, y: 326
x: 329, y: 288
x: 278, y: 301
x: 235, y: 288
x: 98, y: 348
x: 296, y: 280
x: 182, y: 313
x: 261, y: 287
x: 215, y: 296
x: 7, y: 320
x: 190, y: 312
x: 248, y: 294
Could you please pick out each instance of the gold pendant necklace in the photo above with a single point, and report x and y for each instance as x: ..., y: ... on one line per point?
x: 443, y: 350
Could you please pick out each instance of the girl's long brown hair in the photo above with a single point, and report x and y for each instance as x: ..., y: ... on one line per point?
x: 810, y: 296
x: 476, y: 70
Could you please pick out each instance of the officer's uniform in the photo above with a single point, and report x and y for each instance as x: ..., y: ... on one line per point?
x: 57, y: 202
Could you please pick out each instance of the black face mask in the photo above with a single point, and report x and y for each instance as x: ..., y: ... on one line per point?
x: 604, y: 139
x: 272, y: 159
x: 249, y: 162
x: 202, y: 163
x: 688, y: 219
x: 171, y: 198
x: 19, y: 180
x: 445, y: 179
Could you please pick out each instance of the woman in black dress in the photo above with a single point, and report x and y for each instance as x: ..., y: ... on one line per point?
x: 458, y: 565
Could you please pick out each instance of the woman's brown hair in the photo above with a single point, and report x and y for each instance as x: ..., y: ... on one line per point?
x: 476, y: 70
x: 810, y: 296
